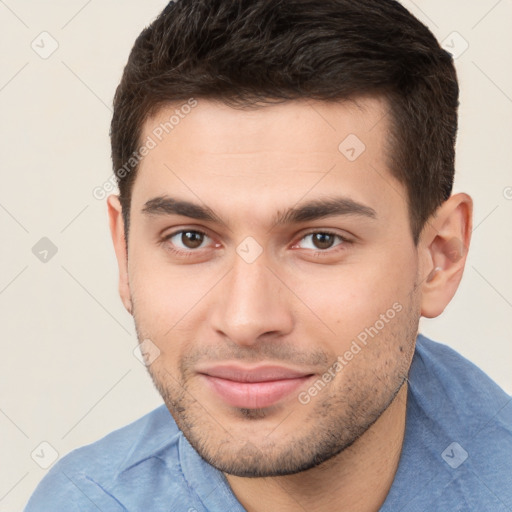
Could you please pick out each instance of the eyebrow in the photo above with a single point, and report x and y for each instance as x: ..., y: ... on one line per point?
x: 312, y: 210
x: 320, y: 208
x: 165, y: 205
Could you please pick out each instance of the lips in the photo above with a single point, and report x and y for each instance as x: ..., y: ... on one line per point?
x: 253, y: 388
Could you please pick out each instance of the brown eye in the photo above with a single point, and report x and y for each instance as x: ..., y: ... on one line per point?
x: 188, y: 239
x: 321, y: 241
x: 192, y: 239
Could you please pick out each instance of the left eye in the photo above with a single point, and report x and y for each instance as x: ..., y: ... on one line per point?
x: 188, y: 239
x: 320, y: 241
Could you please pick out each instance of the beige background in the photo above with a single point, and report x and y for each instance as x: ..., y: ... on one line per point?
x: 68, y: 375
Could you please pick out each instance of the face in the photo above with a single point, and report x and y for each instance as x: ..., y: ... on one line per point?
x: 272, y: 269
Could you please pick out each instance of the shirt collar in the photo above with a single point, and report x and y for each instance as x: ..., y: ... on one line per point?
x: 158, y: 432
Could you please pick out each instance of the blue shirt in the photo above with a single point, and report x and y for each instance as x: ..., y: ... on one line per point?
x: 456, y: 456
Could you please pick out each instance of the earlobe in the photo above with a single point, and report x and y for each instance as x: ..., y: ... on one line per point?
x: 119, y: 241
x: 444, y: 242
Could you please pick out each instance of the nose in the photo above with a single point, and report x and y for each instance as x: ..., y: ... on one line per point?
x: 251, y: 303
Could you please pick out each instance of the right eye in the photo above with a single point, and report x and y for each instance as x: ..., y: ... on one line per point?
x: 187, y: 239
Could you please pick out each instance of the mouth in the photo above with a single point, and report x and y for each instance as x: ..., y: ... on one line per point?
x: 253, y: 388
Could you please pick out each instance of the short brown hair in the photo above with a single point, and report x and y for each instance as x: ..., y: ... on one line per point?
x: 244, y: 52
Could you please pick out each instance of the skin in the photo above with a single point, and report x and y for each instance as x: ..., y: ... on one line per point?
x: 299, y: 304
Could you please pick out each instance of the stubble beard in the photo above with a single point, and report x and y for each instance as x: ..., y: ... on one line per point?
x: 334, y: 422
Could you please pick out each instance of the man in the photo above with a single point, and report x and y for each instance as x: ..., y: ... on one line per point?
x: 285, y: 218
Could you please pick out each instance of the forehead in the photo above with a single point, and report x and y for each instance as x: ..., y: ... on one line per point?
x: 271, y: 156
x: 254, y: 128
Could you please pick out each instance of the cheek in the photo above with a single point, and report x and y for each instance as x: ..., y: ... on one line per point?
x: 165, y: 293
x: 350, y: 299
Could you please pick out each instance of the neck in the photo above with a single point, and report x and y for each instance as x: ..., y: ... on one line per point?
x: 356, y: 480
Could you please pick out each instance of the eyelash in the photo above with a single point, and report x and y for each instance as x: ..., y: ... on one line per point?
x: 330, y: 250
x: 178, y: 252
x: 186, y: 254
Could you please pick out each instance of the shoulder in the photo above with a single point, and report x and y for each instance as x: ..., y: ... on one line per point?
x: 467, y: 424
x: 457, y: 449
x: 452, y: 375
x: 83, y: 479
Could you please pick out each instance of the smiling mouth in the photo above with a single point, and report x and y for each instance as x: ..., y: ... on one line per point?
x: 253, y: 388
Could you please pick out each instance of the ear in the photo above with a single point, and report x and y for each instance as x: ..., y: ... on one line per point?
x: 444, y: 244
x: 118, y: 238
